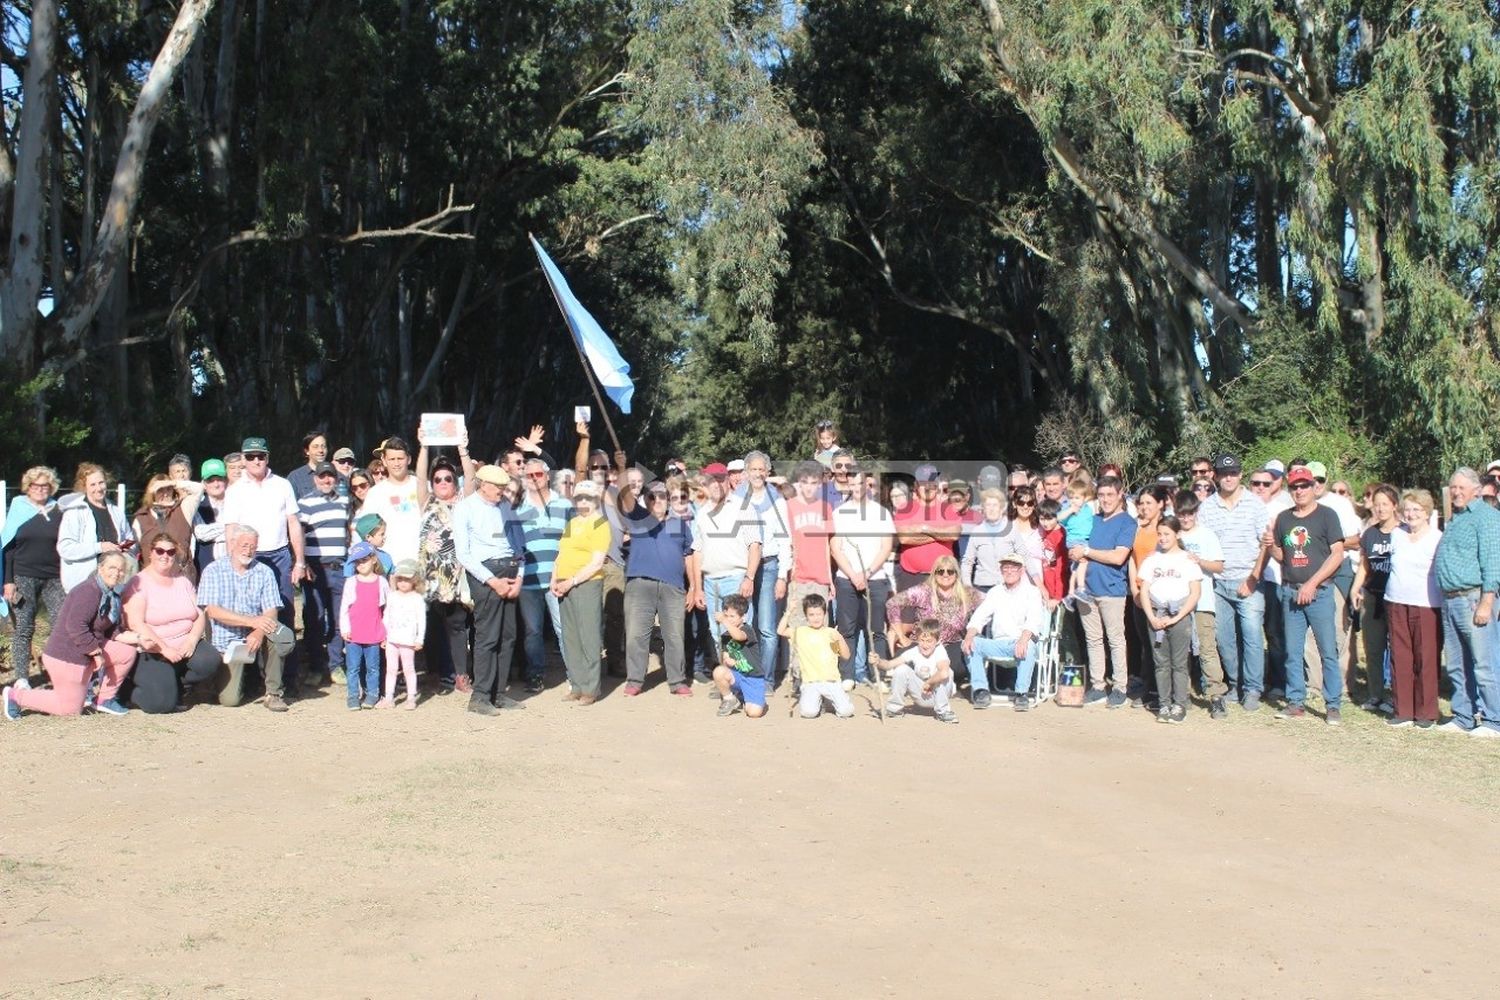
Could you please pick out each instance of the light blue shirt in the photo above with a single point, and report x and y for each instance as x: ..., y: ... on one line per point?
x: 483, y: 531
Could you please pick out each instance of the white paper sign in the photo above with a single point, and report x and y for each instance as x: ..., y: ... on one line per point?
x: 582, y: 414
x: 442, y: 428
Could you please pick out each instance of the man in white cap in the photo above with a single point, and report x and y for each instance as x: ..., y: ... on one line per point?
x: 1015, y: 615
x: 490, y: 544
x: 736, y: 474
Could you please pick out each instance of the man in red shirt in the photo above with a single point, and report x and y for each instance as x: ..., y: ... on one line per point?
x: 809, y: 571
x: 926, y: 530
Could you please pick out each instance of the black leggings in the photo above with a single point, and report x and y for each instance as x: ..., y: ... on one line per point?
x: 457, y: 620
x: 159, y: 682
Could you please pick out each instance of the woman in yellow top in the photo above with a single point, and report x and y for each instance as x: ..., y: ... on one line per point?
x: 578, y: 585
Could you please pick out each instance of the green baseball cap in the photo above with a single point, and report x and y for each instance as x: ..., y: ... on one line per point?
x: 366, y: 525
x: 213, y: 469
x: 255, y: 445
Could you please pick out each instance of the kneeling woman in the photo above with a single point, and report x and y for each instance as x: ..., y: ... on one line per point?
x: 89, y: 641
x: 161, y: 607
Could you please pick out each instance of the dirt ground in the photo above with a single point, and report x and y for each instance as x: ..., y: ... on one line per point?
x: 646, y: 848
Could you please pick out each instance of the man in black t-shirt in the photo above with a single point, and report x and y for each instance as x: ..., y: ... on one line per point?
x: 1308, y: 542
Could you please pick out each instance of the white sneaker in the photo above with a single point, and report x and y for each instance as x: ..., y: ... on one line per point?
x: 1451, y: 727
x: 1485, y: 733
x: 847, y: 685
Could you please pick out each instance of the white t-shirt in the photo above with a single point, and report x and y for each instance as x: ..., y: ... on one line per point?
x: 1166, y: 576
x: 263, y: 505
x: 396, y: 503
x: 862, y: 527
x: 1204, y: 544
x: 724, y: 539
x: 925, y: 666
x: 1349, y: 523
x: 1278, y: 503
x: 1413, y: 578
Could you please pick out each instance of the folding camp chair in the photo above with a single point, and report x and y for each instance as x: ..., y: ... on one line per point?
x: 1043, y: 677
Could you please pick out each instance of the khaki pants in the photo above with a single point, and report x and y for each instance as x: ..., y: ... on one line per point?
x: 795, y: 592
x: 1207, y: 624
x: 1104, y: 622
x: 231, y: 677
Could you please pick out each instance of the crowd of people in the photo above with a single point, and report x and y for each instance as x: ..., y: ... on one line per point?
x: 1267, y: 584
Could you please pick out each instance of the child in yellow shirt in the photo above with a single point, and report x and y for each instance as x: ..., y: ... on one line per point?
x: 817, y: 649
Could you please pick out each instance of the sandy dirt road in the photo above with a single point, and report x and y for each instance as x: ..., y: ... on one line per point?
x: 646, y: 848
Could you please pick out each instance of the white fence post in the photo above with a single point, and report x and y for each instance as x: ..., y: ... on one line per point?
x: 120, y: 495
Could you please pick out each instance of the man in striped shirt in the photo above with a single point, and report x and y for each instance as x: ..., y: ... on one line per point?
x: 1238, y: 518
x: 543, y: 515
x: 325, y: 530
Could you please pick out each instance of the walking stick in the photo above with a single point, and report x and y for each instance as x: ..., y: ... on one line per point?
x: 872, y: 666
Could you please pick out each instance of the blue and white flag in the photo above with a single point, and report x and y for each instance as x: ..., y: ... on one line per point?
x: 611, y: 369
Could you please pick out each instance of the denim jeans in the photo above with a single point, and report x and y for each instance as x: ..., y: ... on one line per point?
x: 536, y: 605
x: 362, y: 665
x: 322, y: 596
x: 767, y: 612
x: 1296, y: 620
x: 1002, y: 649
x: 715, y: 589
x: 853, y: 623
x: 698, y: 642
x: 280, y: 562
x: 1470, y: 652
x: 1239, y: 624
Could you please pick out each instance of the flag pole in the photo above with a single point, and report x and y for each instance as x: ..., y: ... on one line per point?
x: 587, y: 369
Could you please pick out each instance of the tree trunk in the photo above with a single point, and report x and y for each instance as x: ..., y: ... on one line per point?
x: 97, y: 271
x: 21, y: 285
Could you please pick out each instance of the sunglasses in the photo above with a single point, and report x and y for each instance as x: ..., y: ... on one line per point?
x: 1024, y: 503
x: 825, y: 425
x: 164, y: 552
x: 843, y: 468
x: 536, y: 475
x: 40, y: 486
x: 1203, y: 488
x: 679, y: 496
x: 1261, y: 483
x: 442, y: 479
x: 359, y: 486
x: 1301, y: 486
x: 945, y: 572
x: 256, y: 457
x: 598, y: 468
x: 377, y: 474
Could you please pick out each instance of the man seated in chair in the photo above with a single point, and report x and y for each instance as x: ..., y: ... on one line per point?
x: 1015, y: 615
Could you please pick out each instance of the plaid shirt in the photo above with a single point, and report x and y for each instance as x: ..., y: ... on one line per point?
x: 1469, y: 554
x: 247, y: 593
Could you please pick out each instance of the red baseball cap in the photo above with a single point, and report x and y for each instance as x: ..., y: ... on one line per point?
x: 715, y: 469
x: 1300, y: 475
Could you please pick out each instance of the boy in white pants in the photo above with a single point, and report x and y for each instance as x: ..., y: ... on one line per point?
x: 817, y: 650
x: 922, y: 673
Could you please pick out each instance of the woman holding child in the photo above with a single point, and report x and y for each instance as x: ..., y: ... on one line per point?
x: 940, y: 597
